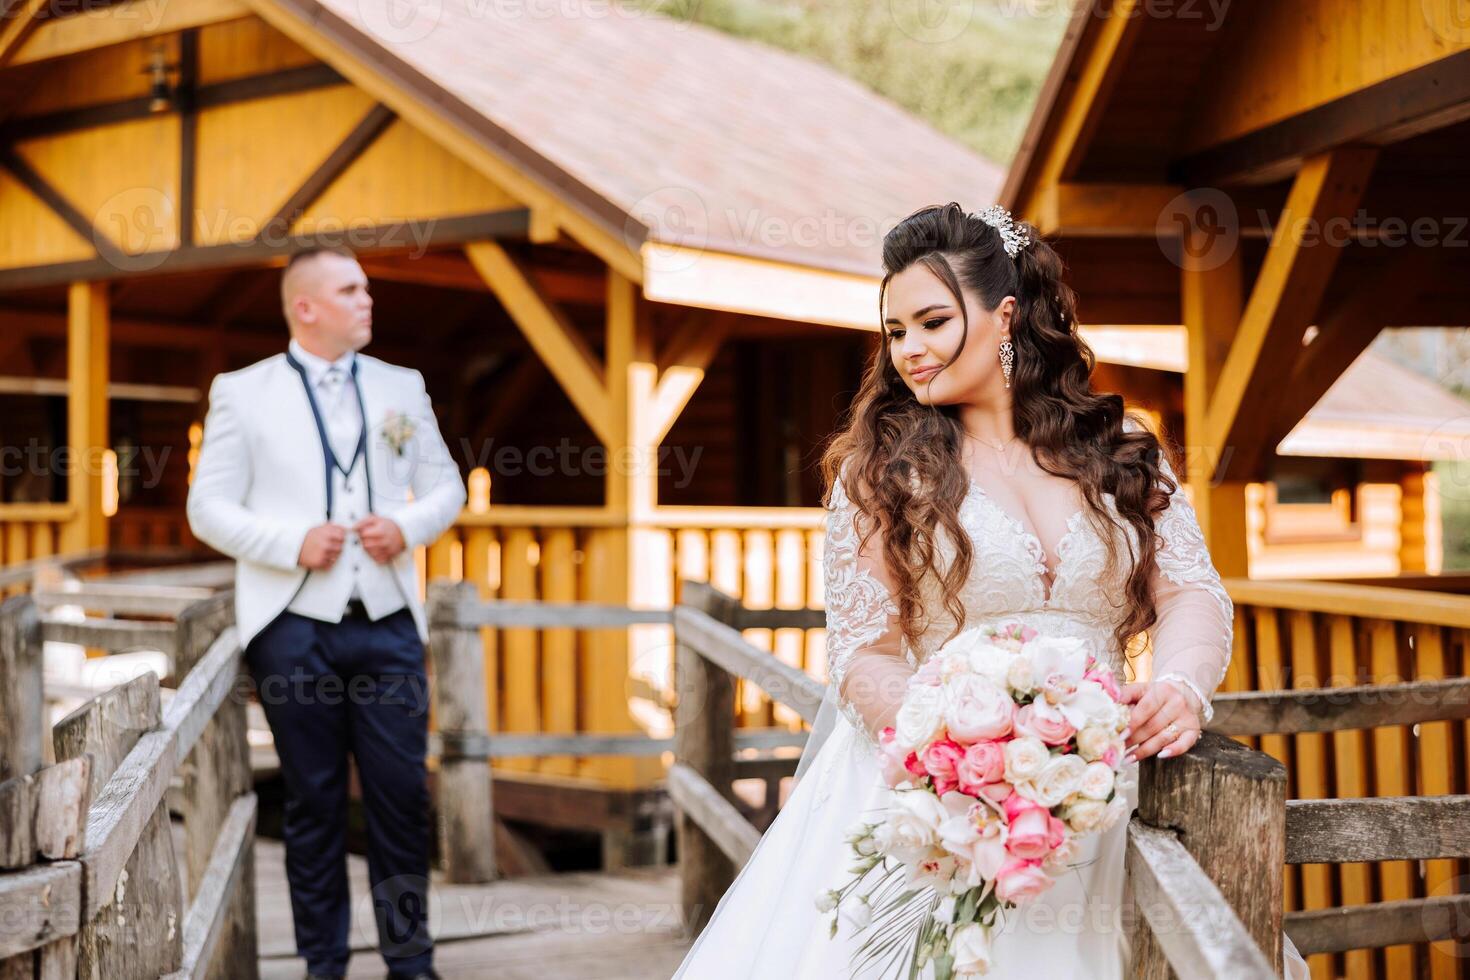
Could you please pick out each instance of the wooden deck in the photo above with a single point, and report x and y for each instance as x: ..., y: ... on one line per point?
x: 574, y: 926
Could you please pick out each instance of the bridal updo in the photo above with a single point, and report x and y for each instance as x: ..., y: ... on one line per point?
x: 899, y: 458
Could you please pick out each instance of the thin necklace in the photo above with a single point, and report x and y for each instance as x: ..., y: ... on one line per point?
x: 998, y: 447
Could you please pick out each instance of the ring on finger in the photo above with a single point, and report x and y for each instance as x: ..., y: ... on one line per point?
x: 1172, y: 730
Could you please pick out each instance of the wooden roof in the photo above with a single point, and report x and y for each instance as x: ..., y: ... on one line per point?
x: 670, y: 132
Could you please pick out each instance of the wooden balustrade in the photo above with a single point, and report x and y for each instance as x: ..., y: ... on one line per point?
x: 93, y: 888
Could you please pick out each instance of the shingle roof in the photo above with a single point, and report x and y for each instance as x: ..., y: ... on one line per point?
x: 702, y: 138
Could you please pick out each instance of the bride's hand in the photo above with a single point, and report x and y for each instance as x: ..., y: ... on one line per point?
x: 1164, y: 719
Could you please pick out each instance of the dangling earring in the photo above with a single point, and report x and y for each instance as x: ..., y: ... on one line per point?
x: 1007, y: 359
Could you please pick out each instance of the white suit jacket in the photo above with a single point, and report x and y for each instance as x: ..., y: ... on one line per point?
x: 260, y: 482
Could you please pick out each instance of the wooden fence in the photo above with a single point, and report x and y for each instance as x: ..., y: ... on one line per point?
x: 1302, y: 637
x: 90, y: 886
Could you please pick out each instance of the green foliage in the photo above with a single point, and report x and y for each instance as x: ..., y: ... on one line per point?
x: 970, y: 68
x: 1454, y: 497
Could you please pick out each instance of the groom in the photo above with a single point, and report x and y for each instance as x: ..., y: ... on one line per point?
x: 320, y: 471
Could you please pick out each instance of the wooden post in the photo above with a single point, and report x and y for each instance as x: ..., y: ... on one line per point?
x: 22, y: 706
x: 704, y: 740
x: 1212, y: 306
x: 1228, y: 805
x: 87, y: 340
x: 216, y: 774
x: 138, y: 931
x: 465, y: 805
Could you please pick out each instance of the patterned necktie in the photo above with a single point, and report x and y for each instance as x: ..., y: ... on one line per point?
x: 340, y: 431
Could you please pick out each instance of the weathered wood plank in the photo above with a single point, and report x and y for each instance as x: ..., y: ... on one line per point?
x: 21, y: 702
x: 723, y: 645
x: 123, y: 599
x: 114, y: 635
x: 1332, y: 709
x: 216, y: 774
x: 1227, y: 803
x: 704, y: 719
x: 208, y: 917
x: 132, y: 898
x: 1373, y: 601
x: 465, y: 804
x: 203, y: 690
x: 1187, y: 916
x: 63, y: 798
x: 1390, y: 828
x: 1378, y: 924
x: 462, y: 745
x: 715, y: 815
x: 17, y: 822
x: 474, y: 611
x: 42, y: 903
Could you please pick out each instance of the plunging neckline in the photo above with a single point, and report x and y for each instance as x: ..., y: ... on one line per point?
x: 1046, y: 576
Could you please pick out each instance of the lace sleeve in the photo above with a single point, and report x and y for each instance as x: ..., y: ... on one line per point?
x: 865, y: 658
x: 1196, y: 619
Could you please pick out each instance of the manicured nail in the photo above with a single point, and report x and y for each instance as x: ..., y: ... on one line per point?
x: 1130, y: 758
x: 1165, y: 753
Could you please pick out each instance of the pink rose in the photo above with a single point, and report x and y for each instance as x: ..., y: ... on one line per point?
x: 1020, y: 879
x: 997, y: 792
x: 984, y: 712
x: 1105, y: 679
x: 913, y: 765
x: 891, y: 758
x: 940, y: 760
x: 1034, y: 832
x: 984, y: 762
x: 1041, y: 720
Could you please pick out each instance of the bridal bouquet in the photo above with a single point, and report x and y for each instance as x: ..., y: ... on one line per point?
x: 1006, y: 750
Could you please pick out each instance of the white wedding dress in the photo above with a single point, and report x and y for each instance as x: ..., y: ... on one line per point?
x: 768, y: 926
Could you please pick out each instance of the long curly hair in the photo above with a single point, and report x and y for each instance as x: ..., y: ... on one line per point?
x: 899, y: 459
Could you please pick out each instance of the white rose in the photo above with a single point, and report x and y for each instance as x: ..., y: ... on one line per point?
x: 826, y: 901
x: 1020, y: 675
x: 1086, y: 816
x: 970, y: 950
x: 919, y: 718
x: 1026, y: 757
x: 859, y: 913
x: 912, y: 828
x: 1058, y: 780
x: 1117, y: 810
x: 1093, y: 741
x: 978, y: 710
x: 991, y: 662
x: 1062, y: 856
x: 1097, y: 781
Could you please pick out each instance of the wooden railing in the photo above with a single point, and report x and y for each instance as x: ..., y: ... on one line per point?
x: 1348, y: 731
x: 1220, y: 806
x: 91, y: 886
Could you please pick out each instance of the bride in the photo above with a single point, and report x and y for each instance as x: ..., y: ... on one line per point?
x: 979, y: 479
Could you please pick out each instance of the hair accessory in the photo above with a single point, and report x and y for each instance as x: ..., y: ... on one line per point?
x: 999, y: 218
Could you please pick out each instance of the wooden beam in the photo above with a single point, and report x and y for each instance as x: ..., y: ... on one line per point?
x: 363, y: 135
x: 554, y: 339
x: 87, y: 346
x: 1351, y: 325
x: 1099, y: 73
x: 1078, y: 209
x: 689, y: 355
x: 1284, y: 302
x: 132, y: 20
x: 17, y: 24
x: 305, y: 78
x: 57, y: 202
x: 1429, y: 97
x: 188, y: 133
x: 397, y: 237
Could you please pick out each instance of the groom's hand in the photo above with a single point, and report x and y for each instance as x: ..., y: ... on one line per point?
x: 381, y: 538
x: 322, y: 547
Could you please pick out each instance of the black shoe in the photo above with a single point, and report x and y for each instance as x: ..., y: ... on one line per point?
x: 324, y: 976
x: 425, y: 975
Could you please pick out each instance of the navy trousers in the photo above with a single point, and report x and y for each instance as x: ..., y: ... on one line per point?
x: 356, y: 687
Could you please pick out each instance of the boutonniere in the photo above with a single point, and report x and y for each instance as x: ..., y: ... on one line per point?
x: 397, y: 430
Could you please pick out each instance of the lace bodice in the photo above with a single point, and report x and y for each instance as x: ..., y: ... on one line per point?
x: 869, y: 661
